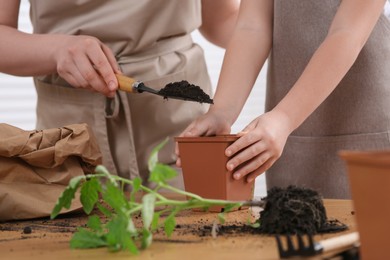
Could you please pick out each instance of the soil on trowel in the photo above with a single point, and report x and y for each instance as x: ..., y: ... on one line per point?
x: 186, y: 91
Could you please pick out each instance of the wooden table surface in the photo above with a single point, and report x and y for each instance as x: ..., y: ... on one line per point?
x: 50, y: 238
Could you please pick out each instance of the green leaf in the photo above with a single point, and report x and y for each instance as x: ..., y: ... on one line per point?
x: 137, y: 182
x: 94, y: 223
x: 156, y: 217
x: 255, y: 225
x: 169, y: 225
x: 65, y: 199
x: 115, y: 197
x: 89, y: 194
x: 148, y: 209
x: 153, y: 159
x: 119, y: 236
x: 84, y: 238
x: 106, y: 212
x: 147, y: 239
x: 161, y: 173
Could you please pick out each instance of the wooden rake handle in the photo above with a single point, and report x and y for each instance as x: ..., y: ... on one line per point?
x: 339, y: 241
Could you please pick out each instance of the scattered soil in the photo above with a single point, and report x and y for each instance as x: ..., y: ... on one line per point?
x: 27, y: 230
x: 186, y: 91
x: 231, y: 229
x: 291, y: 210
x: 63, y: 224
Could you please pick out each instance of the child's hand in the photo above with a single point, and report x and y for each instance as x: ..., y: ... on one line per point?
x: 211, y: 123
x: 260, y: 145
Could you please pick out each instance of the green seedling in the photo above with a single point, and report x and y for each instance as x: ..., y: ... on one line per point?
x: 105, y: 192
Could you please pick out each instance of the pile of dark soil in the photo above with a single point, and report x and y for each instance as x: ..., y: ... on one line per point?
x: 295, y: 210
x: 186, y: 91
x: 291, y: 210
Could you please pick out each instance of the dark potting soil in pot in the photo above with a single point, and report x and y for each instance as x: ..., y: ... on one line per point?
x: 185, y: 90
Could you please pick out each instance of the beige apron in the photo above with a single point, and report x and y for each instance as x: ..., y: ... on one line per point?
x: 151, y: 40
x: 355, y: 116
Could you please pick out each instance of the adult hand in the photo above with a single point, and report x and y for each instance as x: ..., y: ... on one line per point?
x: 260, y: 145
x: 85, y: 62
x: 211, y: 123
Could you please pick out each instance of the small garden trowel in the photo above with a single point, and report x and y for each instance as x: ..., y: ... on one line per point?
x: 186, y: 92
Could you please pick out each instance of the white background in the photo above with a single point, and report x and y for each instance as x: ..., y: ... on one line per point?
x: 18, y: 97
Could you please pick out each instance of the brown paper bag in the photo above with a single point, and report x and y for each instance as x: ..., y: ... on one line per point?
x: 36, y: 167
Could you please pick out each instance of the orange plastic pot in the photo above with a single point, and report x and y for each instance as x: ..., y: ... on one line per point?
x: 369, y: 176
x: 203, y: 163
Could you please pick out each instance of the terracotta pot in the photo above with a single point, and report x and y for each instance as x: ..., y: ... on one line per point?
x: 203, y: 162
x: 369, y: 176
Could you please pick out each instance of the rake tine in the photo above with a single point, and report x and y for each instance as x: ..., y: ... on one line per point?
x: 290, y: 245
x: 280, y: 246
x: 312, y: 248
x: 301, y: 244
x: 289, y: 251
x: 311, y: 242
x: 316, y: 248
x: 343, y: 241
x: 303, y: 249
x: 284, y: 253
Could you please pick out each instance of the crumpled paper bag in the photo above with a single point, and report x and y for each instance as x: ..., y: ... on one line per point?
x: 36, y: 167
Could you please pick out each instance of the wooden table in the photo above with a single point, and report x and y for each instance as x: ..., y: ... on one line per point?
x: 50, y: 238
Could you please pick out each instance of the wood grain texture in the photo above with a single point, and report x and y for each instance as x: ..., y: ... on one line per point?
x: 50, y: 238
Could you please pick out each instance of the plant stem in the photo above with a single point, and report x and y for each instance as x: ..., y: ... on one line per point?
x: 195, y: 202
x: 182, y: 192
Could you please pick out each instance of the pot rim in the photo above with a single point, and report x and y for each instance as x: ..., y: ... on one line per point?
x: 377, y: 157
x: 207, y: 139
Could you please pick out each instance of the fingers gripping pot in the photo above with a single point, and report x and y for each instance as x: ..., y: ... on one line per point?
x: 203, y: 162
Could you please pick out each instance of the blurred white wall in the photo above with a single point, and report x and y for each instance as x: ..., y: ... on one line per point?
x: 17, y: 94
x: 18, y: 97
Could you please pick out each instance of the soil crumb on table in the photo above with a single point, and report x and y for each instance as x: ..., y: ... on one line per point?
x: 27, y: 230
x: 186, y: 91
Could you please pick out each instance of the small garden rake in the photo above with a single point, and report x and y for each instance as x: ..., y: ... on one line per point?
x: 304, y: 245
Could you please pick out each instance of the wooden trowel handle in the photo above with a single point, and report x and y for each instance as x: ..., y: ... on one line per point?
x: 126, y: 83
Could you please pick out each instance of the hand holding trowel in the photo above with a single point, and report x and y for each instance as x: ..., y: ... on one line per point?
x: 177, y: 90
